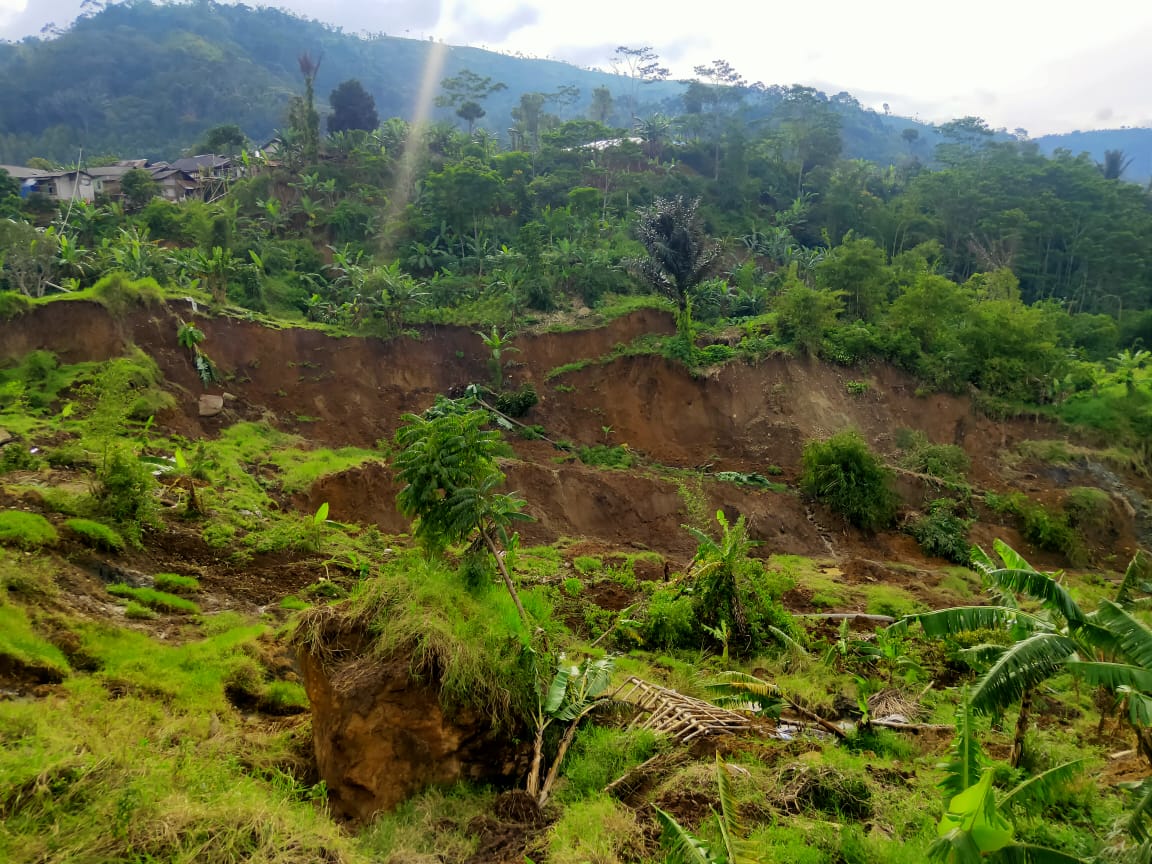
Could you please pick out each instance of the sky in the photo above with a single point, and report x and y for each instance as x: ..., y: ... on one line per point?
x: 1017, y: 64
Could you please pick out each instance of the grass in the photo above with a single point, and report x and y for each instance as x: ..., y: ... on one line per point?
x: 890, y: 600
x: 294, y: 604
x: 91, y: 776
x: 430, y: 826
x: 138, y: 611
x: 176, y: 583
x: 161, y: 601
x: 20, y: 643
x: 96, y: 534
x: 27, y: 576
x: 471, y: 642
x: 597, y: 830
x: 601, y: 754
x: 26, y: 530
x: 808, y: 574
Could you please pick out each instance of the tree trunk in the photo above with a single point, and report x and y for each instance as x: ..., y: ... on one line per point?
x: 505, y: 575
x: 537, y: 761
x: 1021, y: 728
x: 1144, y: 743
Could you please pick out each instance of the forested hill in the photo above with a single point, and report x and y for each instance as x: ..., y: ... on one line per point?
x: 147, y: 80
x: 1135, y: 144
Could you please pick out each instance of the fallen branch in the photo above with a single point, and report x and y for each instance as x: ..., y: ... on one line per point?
x: 850, y: 616
x: 913, y: 727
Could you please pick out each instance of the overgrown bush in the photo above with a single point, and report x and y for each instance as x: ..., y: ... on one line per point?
x: 12, y: 305
x: 519, y: 402
x: 943, y: 532
x: 945, y: 461
x: 605, y: 456
x: 96, y: 534
x: 843, y: 473
x: 670, y: 622
x: 16, y: 457
x: 26, y: 530
x: 1040, y: 526
x: 124, y: 492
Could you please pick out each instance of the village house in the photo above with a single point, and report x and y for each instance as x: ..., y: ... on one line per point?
x: 56, y: 185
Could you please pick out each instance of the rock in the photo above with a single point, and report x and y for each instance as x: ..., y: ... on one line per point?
x: 229, y: 397
x: 583, y: 312
x: 381, y: 737
x: 210, y: 406
x: 6, y: 437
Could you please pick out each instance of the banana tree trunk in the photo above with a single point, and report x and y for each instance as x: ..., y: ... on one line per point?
x: 561, y: 752
x: 1022, y: 721
x: 537, y: 761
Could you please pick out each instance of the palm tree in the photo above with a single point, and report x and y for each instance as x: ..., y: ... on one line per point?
x: 1114, y: 164
x: 654, y: 132
x: 679, y: 254
x: 1108, y: 647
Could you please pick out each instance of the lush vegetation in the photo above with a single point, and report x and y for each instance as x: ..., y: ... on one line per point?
x: 971, y: 262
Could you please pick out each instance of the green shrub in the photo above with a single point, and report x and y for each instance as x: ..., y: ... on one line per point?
x: 26, y: 530
x: 96, y: 534
x: 176, y: 583
x: 1040, y: 526
x: 153, y: 599
x: 125, y: 492
x: 16, y: 457
x: 714, y: 355
x: 1088, y: 508
x: 118, y: 293
x: 138, y: 611
x: 604, y: 456
x: 13, y: 305
x: 943, y: 533
x: 946, y: 461
x: 573, y: 587
x: 671, y: 622
x: 843, y: 473
x: 70, y: 455
x: 518, y: 403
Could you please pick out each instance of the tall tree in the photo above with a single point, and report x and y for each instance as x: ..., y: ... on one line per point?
x: 1114, y: 164
x: 352, y: 108
x: 639, y: 65
x: 303, y: 119
x: 725, y: 86
x: 465, y: 93
x: 601, y: 108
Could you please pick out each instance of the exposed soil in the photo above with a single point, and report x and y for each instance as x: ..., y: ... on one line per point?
x: 352, y: 391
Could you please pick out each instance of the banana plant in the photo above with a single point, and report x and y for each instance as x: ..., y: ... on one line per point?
x: 575, y: 692
x: 1108, y: 647
x: 977, y: 826
x: 692, y: 850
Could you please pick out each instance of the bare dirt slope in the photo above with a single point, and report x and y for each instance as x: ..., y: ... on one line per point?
x: 352, y: 391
